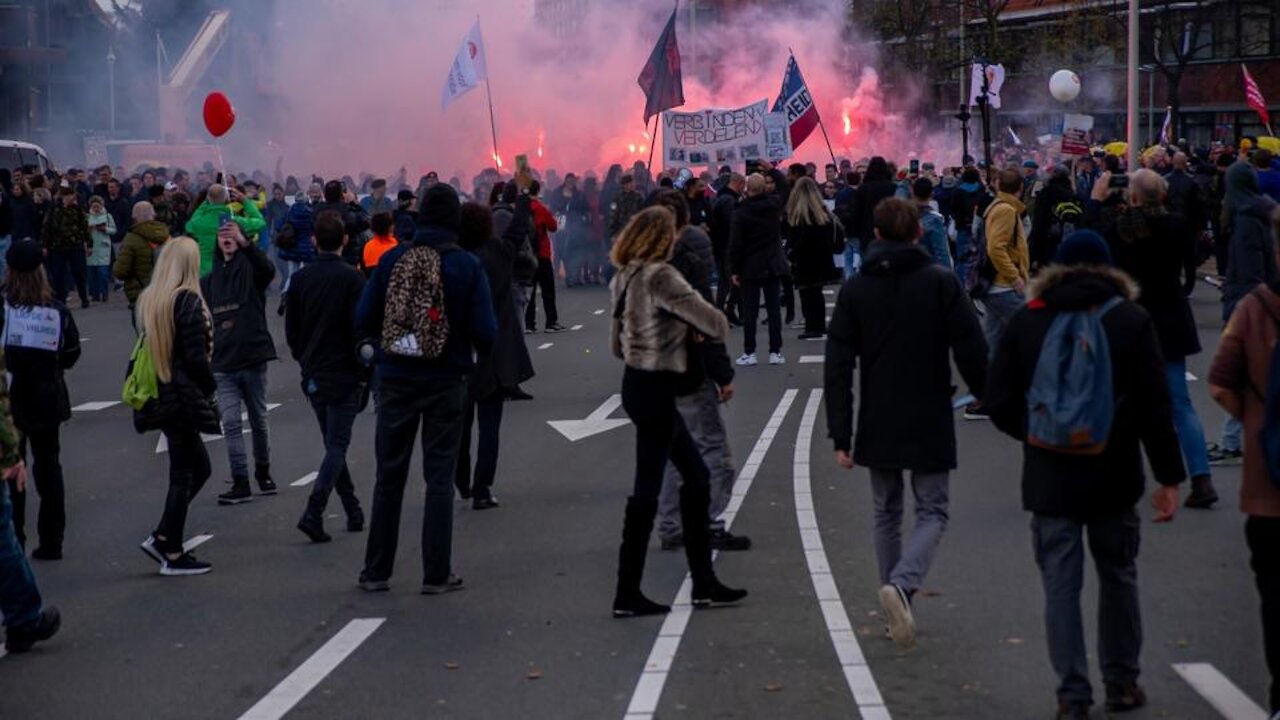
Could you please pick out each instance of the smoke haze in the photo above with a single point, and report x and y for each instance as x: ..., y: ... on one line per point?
x: 358, y: 85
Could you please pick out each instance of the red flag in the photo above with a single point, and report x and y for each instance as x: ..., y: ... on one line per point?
x: 1253, y: 96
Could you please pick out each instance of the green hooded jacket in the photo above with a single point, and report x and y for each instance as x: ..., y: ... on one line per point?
x: 203, y: 227
x: 136, y: 258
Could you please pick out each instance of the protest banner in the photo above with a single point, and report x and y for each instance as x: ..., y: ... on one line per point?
x: 715, y: 136
x: 1075, y: 134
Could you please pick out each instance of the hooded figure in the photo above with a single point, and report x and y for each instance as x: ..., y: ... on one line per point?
x: 1252, y: 259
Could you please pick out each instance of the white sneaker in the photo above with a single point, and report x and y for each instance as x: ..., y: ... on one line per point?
x: 897, y: 610
x: 747, y: 360
x: 777, y: 359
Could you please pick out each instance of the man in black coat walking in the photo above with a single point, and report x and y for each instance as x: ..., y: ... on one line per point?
x: 319, y: 324
x: 1067, y: 493
x: 903, y: 317
x: 757, y: 264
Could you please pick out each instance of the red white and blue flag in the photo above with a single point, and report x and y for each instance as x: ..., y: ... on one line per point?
x: 797, y: 103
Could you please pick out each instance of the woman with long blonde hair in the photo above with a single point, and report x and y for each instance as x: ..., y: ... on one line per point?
x: 656, y: 314
x: 813, y: 239
x: 178, y: 333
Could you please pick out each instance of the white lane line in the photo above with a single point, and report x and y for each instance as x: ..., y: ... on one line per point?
x: 196, y: 541
x: 162, y: 445
x: 544, y: 346
x: 1190, y: 377
x: 598, y: 312
x: 812, y: 359
x: 1229, y: 700
x: 305, y: 479
x: 831, y: 306
x: 856, y: 671
x: 293, y: 688
x: 95, y: 406
x: 576, y: 327
x: 644, y: 700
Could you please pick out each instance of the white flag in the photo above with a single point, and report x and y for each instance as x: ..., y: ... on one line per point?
x: 468, y: 68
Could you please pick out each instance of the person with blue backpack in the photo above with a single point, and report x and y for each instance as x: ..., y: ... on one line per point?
x: 1079, y: 379
x: 1245, y: 380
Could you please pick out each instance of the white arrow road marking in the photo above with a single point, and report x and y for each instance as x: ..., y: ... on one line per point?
x: 309, y: 674
x: 1229, y: 700
x: 811, y: 359
x: 95, y: 406
x: 544, y: 346
x: 1190, y: 377
x: 196, y: 541
x: 594, y: 424
x: 305, y: 479
x: 162, y: 445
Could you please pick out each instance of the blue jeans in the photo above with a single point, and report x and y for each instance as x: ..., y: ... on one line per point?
x: 19, y: 596
x: 250, y: 387
x: 1233, y: 435
x: 1185, y: 420
x: 336, y: 419
x: 852, y: 258
x: 99, y: 281
x: 964, y: 251
x: 999, y: 309
x: 403, y: 405
x: 908, y: 570
x: 1059, y: 551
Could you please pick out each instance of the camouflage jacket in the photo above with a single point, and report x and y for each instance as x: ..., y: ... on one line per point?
x: 66, y: 227
x: 8, y: 433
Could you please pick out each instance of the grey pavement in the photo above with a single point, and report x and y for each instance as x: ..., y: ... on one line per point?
x: 531, y: 636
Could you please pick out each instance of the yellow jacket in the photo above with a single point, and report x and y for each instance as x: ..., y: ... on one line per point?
x: 1007, y: 240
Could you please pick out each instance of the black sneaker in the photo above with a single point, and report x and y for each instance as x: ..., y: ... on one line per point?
x: 47, y: 552
x: 637, y: 605
x: 184, y: 564
x: 266, y: 486
x: 314, y: 529
x: 725, y: 540
x: 812, y: 335
x: 453, y: 583
x: 555, y: 328
x: 713, y: 594
x: 974, y: 411
x: 1122, y: 697
x: 368, y: 584
x: 20, y: 639
x: 519, y: 394
x: 149, y: 547
x: 1219, y: 455
x: 1073, y: 711
x: 1203, y: 495
x: 484, y: 503
x: 239, y: 493
x: 355, y: 520
x: 529, y: 330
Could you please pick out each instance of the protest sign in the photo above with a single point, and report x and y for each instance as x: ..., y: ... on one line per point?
x: 777, y: 136
x: 1075, y: 131
x: 715, y: 136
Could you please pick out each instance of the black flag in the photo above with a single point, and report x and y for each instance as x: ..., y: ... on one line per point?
x: 660, y: 79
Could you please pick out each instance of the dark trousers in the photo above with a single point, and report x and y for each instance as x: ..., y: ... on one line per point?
x: 188, y: 471
x: 771, y: 288
x: 813, y: 305
x: 68, y: 265
x: 1059, y: 551
x: 403, y: 405
x: 19, y: 596
x: 46, y: 475
x: 789, y: 298
x: 1263, y: 536
x: 335, y: 419
x: 728, y: 297
x: 489, y: 414
x: 661, y: 435
x: 544, y: 278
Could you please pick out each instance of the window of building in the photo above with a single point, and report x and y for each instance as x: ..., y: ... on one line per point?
x: 1256, y: 31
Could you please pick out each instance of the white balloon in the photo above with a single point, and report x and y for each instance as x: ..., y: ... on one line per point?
x: 1064, y: 86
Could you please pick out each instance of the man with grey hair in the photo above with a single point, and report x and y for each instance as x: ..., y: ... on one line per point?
x: 758, y: 264
x: 137, y: 253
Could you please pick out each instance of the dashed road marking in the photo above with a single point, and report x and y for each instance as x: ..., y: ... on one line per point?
x: 162, y: 445
x: 95, y: 406
x: 598, y: 312
x: 1190, y: 377
x: 292, y: 689
x: 576, y: 327
x: 196, y: 541
x: 831, y: 306
x: 544, y: 346
x: 305, y: 479
x: 644, y: 700
x: 1229, y: 700
x: 811, y: 359
x: 856, y: 671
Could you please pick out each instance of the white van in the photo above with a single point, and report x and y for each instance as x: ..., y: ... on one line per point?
x: 14, y: 155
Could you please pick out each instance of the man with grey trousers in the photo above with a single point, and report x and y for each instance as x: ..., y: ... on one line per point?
x: 902, y: 318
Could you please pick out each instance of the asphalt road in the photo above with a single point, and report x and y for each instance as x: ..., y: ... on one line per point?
x: 279, y: 628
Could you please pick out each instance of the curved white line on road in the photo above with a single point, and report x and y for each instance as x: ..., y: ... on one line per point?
x: 644, y: 700
x: 856, y: 671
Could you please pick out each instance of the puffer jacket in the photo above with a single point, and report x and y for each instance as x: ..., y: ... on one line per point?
x: 653, y: 309
x: 187, y: 401
x: 303, y: 219
x: 137, y: 257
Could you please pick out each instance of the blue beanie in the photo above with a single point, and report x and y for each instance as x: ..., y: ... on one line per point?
x: 1083, y: 247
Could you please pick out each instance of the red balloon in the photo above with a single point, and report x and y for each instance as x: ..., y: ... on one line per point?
x: 219, y: 116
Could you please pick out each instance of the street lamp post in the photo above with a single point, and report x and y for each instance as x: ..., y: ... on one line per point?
x: 1151, y: 101
x: 111, y: 84
x: 1132, y: 122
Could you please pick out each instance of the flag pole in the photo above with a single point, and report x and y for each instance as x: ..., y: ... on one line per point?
x: 653, y: 143
x: 493, y: 125
x: 821, y: 125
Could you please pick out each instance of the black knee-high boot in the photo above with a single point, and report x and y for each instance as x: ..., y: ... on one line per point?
x: 695, y: 499
x: 628, y: 601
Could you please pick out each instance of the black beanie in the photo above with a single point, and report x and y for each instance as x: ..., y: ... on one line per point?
x: 441, y: 208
